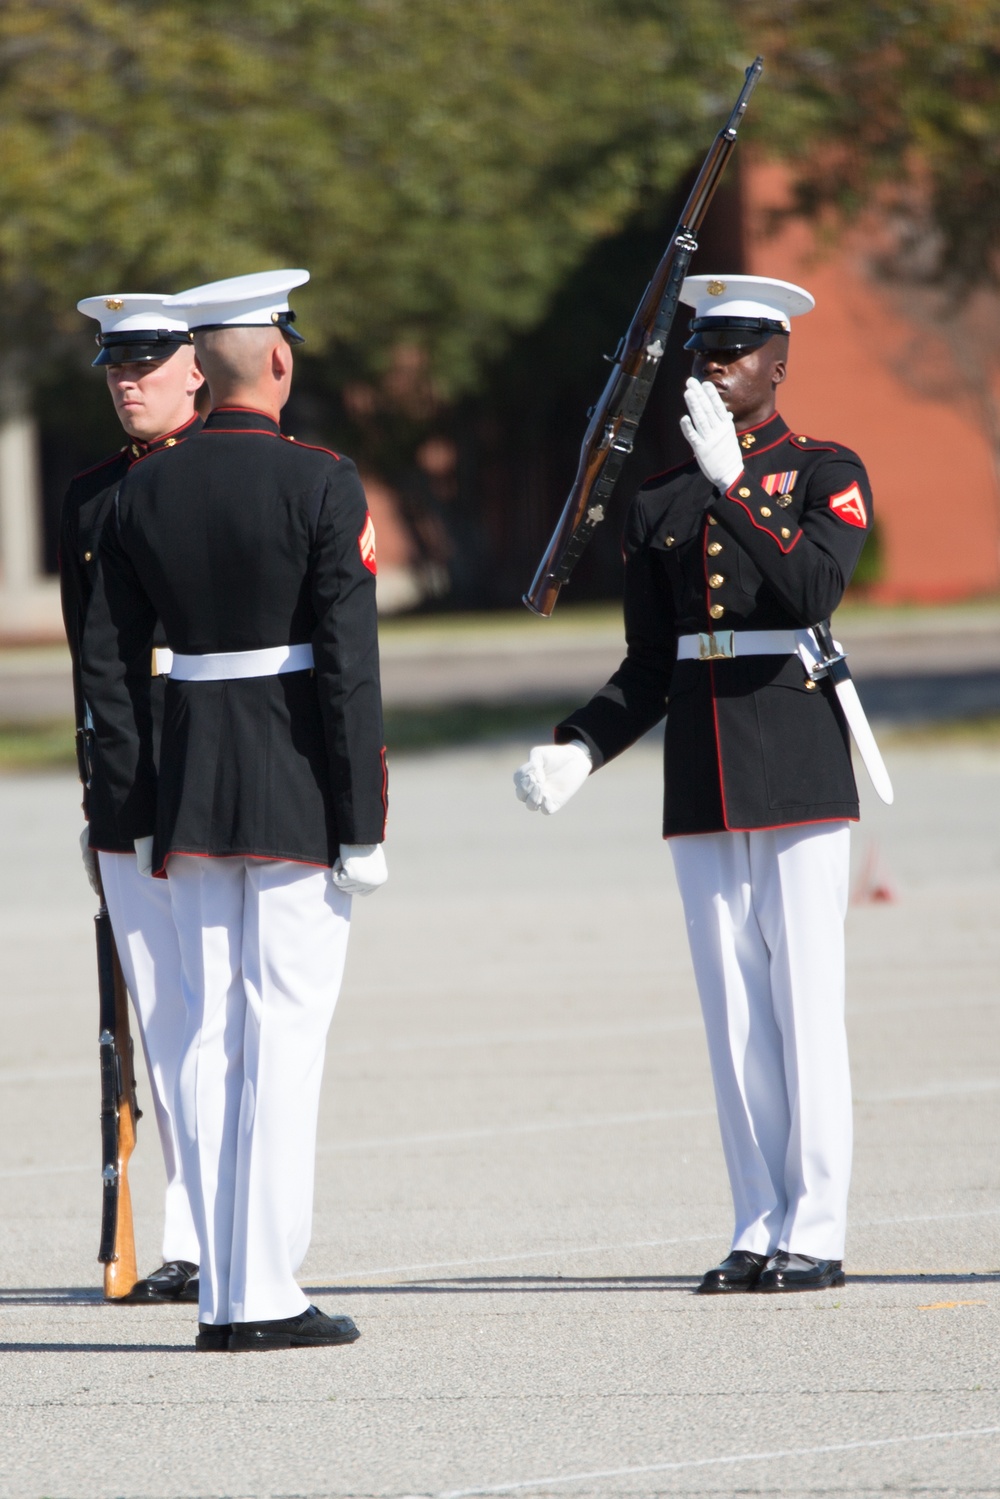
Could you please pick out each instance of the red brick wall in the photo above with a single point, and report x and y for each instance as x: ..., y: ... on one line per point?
x: 934, y: 482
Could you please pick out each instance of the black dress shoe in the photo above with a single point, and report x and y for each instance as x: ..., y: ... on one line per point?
x: 310, y: 1329
x: 213, y: 1337
x: 169, y: 1283
x: 738, y: 1272
x: 191, y: 1290
x: 800, y: 1272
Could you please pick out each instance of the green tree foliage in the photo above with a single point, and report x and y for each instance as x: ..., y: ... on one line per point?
x: 443, y: 167
x: 440, y: 167
x: 894, y: 101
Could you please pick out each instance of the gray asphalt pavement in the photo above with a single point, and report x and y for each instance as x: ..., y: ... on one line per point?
x: 911, y: 665
x: 520, y: 1181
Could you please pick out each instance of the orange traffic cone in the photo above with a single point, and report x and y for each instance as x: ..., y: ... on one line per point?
x: 873, y: 885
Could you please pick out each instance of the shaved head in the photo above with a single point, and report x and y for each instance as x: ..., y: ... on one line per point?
x: 246, y: 366
x: 235, y: 356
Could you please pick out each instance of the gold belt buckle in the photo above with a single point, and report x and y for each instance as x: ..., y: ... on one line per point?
x: 716, y: 646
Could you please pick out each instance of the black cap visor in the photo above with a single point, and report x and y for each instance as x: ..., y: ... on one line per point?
x: 141, y: 346
x: 282, y: 320
x: 709, y: 334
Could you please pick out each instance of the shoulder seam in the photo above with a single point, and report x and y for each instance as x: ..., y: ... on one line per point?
x: 313, y: 447
x: 653, y: 478
x: 104, y: 463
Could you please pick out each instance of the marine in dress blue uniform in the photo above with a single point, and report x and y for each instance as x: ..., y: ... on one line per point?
x: 148, y: 357
x: 267, y: 812
x: 730, y: 560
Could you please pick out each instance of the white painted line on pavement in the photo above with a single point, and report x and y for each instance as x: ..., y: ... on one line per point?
x: 541, y: 1036
x: 506, y: 1259
x: 72, y: 1071
x: 709, y: 1462
x: 12, y: 1173
x: 949, y: 1089
x: 546, y: 1126
x: 501, y: 1131
x: 337, y: 1276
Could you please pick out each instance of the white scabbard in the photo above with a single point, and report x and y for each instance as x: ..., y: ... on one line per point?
x: 864, y: 738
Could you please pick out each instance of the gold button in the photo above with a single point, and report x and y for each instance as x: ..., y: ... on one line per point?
x: 716, y: 611
x: 171, y: 442
x: 668, y: 541
x: 716, y: 580
x: 712, y: 521
x: 88, y: 556
x: 744, y: 493
x: 785, y: 533
x: 810, y: 685
x: 714, y: 548
x: 765, y: 511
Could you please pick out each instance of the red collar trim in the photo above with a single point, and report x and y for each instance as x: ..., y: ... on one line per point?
x: 216, y: 420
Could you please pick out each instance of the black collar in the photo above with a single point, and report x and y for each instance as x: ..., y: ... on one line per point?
x: 765, y: 435
x: 241, y: 419
x: 134, y: 449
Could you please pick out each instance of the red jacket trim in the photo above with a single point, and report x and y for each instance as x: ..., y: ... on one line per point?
x: 313, y: 447
x: 103, y: 464
x: 182, y: 428
x: 718, y: 749
x: 253, y: 410
x: 765, y: 529
x: 772, y: 827
x: 239, y: 432
x: 190, y: 853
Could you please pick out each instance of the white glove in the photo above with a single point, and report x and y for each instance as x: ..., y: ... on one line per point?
x: 551, y: 774
x: 144, y: 856
x: 360, y: 869
x: 90, y: 863
x: 712, y: 434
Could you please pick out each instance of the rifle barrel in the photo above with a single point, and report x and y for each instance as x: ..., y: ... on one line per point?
x: 615, y: 419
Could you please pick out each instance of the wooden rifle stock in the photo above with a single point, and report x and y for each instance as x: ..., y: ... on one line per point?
x: 610, y: 434
x: 119, y: 1116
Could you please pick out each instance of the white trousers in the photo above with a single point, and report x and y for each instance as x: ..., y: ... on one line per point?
x: 151, y: 964
x: 263, y: 945
x: 765, y: 917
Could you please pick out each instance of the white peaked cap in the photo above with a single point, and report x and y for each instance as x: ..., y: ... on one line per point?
x: 255, y: 301
x: 133, y: 312
x: 746, y: 296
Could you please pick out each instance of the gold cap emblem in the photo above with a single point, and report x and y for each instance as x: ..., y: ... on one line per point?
x: 114, y: 304
x: 716, y: 288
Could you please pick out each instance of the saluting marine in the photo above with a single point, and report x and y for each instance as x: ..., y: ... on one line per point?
x: 268, y: 812
x: 733, y: 564
x: 148, y: 357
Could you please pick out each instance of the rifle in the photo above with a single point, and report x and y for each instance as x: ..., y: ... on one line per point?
x: 120, y: 1114
x: 610, y: 435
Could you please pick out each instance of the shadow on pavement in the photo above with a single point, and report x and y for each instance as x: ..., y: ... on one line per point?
x: 53, y: 1296
x: 556, y: 1284
x: 157, y: 1348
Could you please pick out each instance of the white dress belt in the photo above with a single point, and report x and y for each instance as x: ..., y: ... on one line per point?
x: 228, y: 666
x: 726, y: 645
